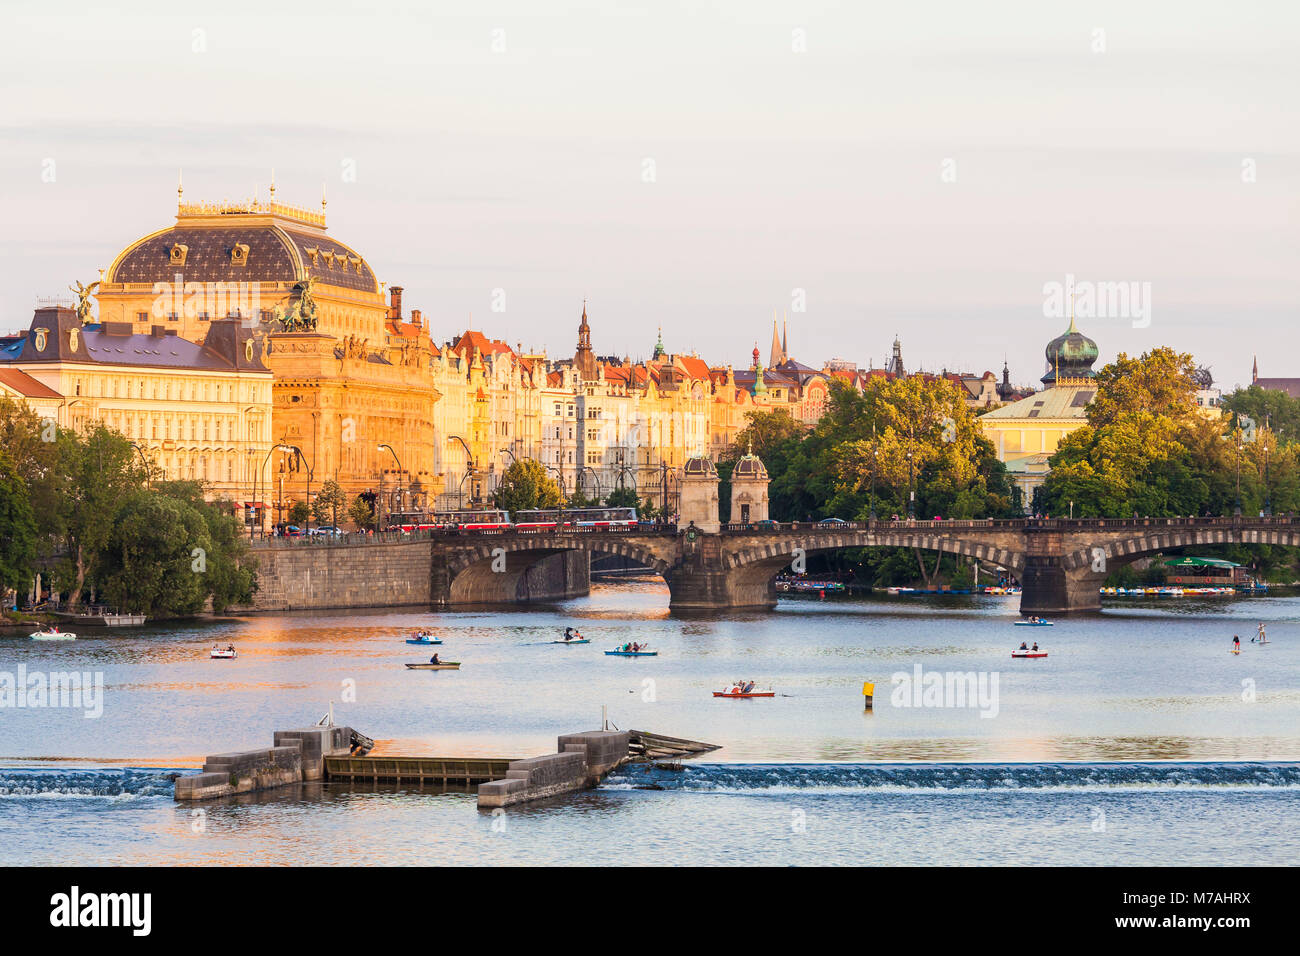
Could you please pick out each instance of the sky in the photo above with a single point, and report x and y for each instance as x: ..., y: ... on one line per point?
x: 937, y: 171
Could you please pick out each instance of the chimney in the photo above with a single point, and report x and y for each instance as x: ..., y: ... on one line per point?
x: 417, y: 318
x: 395, y: 302
x: 158, y: 331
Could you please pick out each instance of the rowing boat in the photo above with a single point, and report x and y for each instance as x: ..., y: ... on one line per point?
x: 1033, y: 623
x: 222, y: 655
x: 580, y: 640
x: 444, y: 666
x: 1029, y: 653
x: 756, y: 693
x: 631, y: 653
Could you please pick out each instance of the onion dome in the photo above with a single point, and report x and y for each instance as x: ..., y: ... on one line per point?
x: 701, y: 466
x: 1070, y: 356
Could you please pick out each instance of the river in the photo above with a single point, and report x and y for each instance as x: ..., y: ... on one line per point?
x: 1140, y: 739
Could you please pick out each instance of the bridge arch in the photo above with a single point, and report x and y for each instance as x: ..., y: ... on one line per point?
x: 494, y: 570
x: 1127, y: 549
x: 752, y: 568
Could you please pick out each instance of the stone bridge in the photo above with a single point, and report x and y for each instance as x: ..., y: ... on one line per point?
x: 1059, y: 562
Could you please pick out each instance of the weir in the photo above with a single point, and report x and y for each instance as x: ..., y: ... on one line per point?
x: 330, y: 753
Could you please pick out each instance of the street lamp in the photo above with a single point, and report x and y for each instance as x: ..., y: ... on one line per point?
x: 1268, y: 504
x: 1237, y: 507
x: 400, y: 494
x: 256, y: 500
x: 875, y: 460
x: 471, y: 463
x: 911, y: 494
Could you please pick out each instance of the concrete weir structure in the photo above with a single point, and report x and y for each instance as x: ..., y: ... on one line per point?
x: 582, y: 761
x: 296, y: 755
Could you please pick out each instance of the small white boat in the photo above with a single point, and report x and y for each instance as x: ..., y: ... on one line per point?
x: 53, y: 635
x: 223, y: 654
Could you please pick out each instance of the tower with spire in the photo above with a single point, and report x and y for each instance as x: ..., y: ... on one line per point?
x: 584, y: 360
x: 777, y: 356
x: 895, y: 367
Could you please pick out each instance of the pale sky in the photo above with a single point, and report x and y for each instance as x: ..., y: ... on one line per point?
x: 920, y: 169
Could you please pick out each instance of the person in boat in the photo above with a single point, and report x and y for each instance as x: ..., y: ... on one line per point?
x: 1024, y: 646
x: 230, y: 648
x: 748, y: 687
x: 1035, y: 647
x: 434, y: 659
x: 568, y: 633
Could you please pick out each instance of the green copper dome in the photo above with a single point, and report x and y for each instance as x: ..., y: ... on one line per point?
x: 1070, y: 355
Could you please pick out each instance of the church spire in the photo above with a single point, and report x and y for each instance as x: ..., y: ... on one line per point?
x: 1254, y: 369
x: 777, y: 355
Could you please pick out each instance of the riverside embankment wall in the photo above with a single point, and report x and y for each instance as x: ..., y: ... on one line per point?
x: 363, y: 573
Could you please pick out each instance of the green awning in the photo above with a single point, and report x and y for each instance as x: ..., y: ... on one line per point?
x: 1200, y: 563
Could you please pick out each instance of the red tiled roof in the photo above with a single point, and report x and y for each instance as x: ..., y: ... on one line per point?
x: 470, y: 340
x: 25, y: 385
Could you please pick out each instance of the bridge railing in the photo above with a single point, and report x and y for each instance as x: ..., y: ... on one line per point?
x: 398, y: 537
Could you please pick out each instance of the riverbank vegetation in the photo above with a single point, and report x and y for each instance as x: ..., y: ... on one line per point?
x: 87, y: 513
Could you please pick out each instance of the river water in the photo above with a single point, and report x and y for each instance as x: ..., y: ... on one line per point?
x: 1140, y: 739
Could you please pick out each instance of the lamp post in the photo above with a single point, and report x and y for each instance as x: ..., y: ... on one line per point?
x: 148, y: 472
x: 257, y: 501
x: 1268, y: 504
x: 597, y: 477
x: 471, y: 463
x: 1236, y: 510
x: 911, y: 493
x: 875, y: 461
x: 400, y: 493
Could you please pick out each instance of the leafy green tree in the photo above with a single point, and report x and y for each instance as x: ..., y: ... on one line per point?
x: 299, y: 513
x: 17, y: 528
x: 155, y: 559
x: 329, y: 504
x: 525, y: 485
x: 623, y: 498
x: 93, y: 474
x: 362, y: 513
x: 1273, y: 407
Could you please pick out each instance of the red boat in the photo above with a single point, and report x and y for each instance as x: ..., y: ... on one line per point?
x: 1029, y: 653
x: 736, y: 692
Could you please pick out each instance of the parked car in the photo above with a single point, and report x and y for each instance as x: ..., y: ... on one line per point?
x: 830, y: 522
x: 767, y: 524
x: 329, y: 530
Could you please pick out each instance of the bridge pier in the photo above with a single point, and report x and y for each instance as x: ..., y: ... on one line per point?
x: 1047, y: 586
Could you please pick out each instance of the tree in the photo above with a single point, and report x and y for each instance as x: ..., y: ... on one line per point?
x: 93, y: 475
x: 330, y: 501
x: 17, y: 527
x: 1267, y: 405
x: 525, y: 485
x: 362, y: 513
x: 623, y: 498
x: 155, y: 559
x: 298, y: 513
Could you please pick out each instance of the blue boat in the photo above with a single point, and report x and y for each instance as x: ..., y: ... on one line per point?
x: 423, y: 639
x: 1033, y: 623
x: 576, y: 640
x: 631, y: 653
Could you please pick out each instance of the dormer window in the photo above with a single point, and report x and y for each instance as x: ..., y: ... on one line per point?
x: 239, y: 254
x: 178, y: 253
